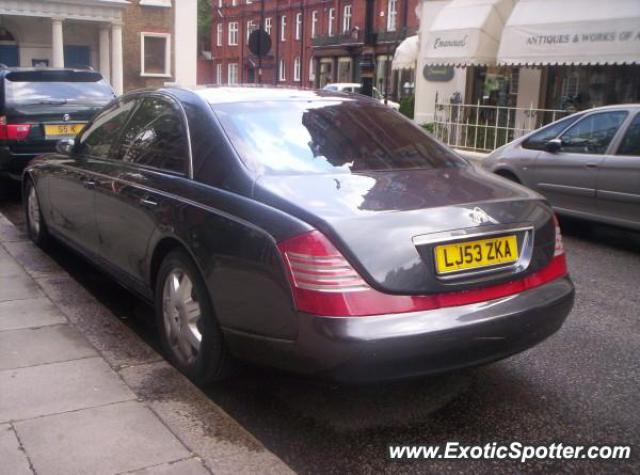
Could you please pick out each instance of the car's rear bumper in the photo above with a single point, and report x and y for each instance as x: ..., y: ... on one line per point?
x: 13, y: 163
x: 385, y: 347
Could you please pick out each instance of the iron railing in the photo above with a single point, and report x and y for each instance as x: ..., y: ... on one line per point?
x: 483, y: 128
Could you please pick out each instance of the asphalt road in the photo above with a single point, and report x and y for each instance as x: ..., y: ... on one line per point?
x: 581, y: 386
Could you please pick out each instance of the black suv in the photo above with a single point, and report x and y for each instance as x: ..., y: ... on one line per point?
x: 38, y: 107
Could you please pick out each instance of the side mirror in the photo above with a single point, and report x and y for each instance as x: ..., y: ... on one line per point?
x: 553, y: 146
x: 65, y: 146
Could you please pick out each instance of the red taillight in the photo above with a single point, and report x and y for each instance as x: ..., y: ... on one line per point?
x: 13, y: 131
x: 324, y: 283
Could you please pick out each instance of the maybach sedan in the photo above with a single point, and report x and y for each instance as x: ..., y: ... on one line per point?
x: 315, y: 232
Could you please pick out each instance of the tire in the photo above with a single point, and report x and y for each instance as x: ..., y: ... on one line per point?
x: 8, y: 187
x: 36, y: 226
x: 210, y: 361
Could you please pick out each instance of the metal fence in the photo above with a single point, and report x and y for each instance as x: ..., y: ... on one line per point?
x: 484, y: 128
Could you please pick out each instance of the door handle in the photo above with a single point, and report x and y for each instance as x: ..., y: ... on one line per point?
x: 591, y: 165
x: 147, y: 203
x: 89, y: 184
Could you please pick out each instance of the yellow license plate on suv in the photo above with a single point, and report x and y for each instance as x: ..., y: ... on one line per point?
x: 476, y: 254
x: 62, y: 130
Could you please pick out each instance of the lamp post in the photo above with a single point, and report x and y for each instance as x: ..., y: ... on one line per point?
x: 367, y: 64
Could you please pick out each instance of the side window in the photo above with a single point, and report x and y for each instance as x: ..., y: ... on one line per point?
x: 155, y: 136
x: 631, y: 143
x: 539, y: 140
x: 98, y: 138
x: 593, y: 134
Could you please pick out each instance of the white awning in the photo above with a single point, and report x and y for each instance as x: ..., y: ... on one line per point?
x: 542, y: 32
x: 467, y: 32
x: 406, y: 54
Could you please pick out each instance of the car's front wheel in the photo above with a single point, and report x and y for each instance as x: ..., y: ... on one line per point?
x: 36, y: 226
x: 188, y: 329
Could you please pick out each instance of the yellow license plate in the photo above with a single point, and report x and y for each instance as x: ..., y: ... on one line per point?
x: 60, y: 130
x: 476, y: 254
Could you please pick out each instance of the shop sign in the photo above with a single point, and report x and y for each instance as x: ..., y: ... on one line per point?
x: 438, y: 73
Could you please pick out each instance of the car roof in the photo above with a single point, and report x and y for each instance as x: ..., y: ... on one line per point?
x: 226, y: 94
x: 612, y: 106
x: 344, y: 84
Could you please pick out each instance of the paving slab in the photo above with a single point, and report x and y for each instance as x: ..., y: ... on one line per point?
x: 13, y: 460
x: 34, y: 346
x: 33, y: 259
x: 18, y: 286
x: 117, y: 344
x: 9, y: 233
x: 102, y: 440
x: 204, y: 427
x: 181, y: 467
x: 29, y: 313
x: 59, y: 387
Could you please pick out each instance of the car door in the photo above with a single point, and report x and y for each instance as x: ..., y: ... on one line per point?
x: 618, y: 189
x: 133, y: 197
x: 71, y: 187
x: 568, y: 177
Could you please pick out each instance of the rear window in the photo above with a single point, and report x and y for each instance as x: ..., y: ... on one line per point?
x: 329, y: 136
x: 56, y: 88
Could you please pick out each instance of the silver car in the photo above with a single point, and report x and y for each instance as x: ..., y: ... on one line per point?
x: 587, y: 165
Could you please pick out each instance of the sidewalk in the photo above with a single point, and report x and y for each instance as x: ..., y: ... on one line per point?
x: 81, y: 393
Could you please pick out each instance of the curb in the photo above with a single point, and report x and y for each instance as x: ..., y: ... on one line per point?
x: 214, y: 439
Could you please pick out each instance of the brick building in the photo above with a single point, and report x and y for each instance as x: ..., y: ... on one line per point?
x: 131, y: 42
x: 314, y: 42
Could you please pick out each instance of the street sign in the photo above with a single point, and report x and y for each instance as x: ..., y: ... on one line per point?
x: 259, y: 43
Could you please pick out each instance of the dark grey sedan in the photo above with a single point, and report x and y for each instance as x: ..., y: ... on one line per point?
x: 315, y: 232
x: 587, y: 165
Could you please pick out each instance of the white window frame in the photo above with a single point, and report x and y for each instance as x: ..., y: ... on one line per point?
x: 283, y: 28
x: 331, y: 21
x: 347, y: 12
x: 232, y: 67
x: 314, y: 23
x: 167, y: 54
x: 234, y: 3
x: 296, y: 69
x: 220, y: 3
x: 219, y: 73
x: 298, y: 26
x: 156, y: 3
x: 282, y: 70
x: 312, y: 69
x: 267, y: 25
x: 232, y: 37
x: 392, y: 15
x: 250, y: 27
x: 219, y: 34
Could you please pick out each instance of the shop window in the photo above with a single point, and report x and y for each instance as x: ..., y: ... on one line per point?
x: 155, y: 54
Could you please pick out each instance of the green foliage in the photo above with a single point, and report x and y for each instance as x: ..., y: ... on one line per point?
x: 204, y: 24
x: 429, y: 127
x: 407, y: 105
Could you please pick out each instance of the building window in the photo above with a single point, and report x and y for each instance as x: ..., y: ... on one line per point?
x: 232, y: 73
x: 155, y: 54
x: 233, y: 33
x: 267, y: 25
x: 234, y: 3
x: 392, y: 15
x: 283, y: 28
x: 219, y: 33
x: 332, y: 19
x: 296, y: 69
x: 219, y: 73
x: 312, y: 69
x: 250, y: 27
x: 220, y: 3
x: 346, y: 19
x: 282, y: 74
x: 298, y: 26
x: 314, y: 23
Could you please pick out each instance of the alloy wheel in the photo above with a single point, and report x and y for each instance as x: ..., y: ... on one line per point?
x: 33, y: 211
x: 181, y: 316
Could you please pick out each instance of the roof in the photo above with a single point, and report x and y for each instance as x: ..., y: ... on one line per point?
x: 220, y: 95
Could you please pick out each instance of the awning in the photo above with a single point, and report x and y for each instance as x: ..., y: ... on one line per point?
x: 543, y: 32
x: 467, y: 32
x: 406, y: 54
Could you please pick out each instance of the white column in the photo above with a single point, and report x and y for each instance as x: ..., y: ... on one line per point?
x: 57, y: 43
x: 105, y: 53
x: 116, y: 58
